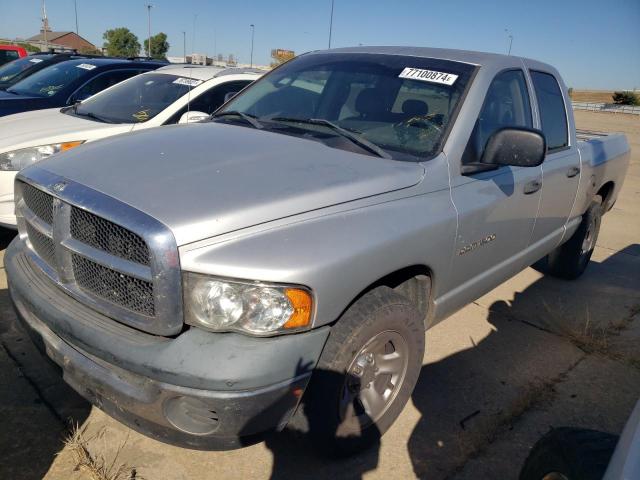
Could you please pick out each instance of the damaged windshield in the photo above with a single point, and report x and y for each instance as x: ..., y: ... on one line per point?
x: 400, y: 104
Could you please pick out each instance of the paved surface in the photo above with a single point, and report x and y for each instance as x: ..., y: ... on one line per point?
x: 535, y: 352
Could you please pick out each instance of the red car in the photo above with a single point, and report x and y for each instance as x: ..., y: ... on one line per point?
x: 9, y: 53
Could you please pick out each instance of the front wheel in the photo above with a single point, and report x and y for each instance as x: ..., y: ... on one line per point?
x: 366, y: 373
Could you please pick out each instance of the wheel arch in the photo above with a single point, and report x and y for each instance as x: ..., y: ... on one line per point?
x: 414, y: 282
x: 606, y: 192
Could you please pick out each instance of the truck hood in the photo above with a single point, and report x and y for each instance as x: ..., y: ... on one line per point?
x: 203, y: 180
x: 42, y: 127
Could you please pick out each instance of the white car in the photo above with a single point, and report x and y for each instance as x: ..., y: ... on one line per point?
x: 172, y: 94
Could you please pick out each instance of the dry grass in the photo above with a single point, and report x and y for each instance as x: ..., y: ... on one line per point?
x: 595, y: 96
x: 97, y: 467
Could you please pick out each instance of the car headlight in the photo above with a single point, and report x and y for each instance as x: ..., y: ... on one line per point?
x: 255, y: 308
x: 19, y: 159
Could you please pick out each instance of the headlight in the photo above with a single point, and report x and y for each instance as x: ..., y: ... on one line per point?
x: 19, y: 159
x: 254, y: 308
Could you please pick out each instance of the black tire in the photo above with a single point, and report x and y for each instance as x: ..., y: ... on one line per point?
x: 570, y: 259
x: 326, y: 414
x: 572, y: 453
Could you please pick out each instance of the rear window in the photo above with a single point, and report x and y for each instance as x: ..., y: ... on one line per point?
x: 553, y: 115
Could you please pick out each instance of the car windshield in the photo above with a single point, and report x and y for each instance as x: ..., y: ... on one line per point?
x: 49, y: 81
x: 10, y: 70
x: 401, y: 104
x: 138, y: 99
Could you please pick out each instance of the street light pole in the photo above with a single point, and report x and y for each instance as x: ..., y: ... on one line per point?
x: 149, y: 30
x: 184, y: 45
x: 75, y: 5
x: 331, y: 23
x: 253, y: 30
x: 510, y: 40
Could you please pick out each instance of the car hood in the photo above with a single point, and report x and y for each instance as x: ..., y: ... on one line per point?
x: 203, y: 180
x: 42, y: 127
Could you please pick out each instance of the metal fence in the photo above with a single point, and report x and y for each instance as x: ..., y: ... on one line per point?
x: 606, y: 107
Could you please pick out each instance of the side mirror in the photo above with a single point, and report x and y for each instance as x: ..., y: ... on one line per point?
x: 517, y: 147
x: 193, y: 116
x: 229, y: 96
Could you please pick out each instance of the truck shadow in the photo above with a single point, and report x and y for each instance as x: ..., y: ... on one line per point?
x: 466, y: 398
x: 301, y: 451
x: 36, y: 406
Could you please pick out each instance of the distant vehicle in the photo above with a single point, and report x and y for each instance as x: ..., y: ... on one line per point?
x: 8, y: 53
x: 173, y: 94
x: 21, y: 68
x: 69, y: 82
x: 579, y: 454
x: 280, y: 263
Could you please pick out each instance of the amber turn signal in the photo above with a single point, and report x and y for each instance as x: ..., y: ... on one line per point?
x: 301, y: 302
x: 69, y: 145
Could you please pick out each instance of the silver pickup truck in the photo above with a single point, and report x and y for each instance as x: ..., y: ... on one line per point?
x: 278, y: 264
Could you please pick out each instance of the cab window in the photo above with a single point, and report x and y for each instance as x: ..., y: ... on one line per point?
x: 506, y: 105
x: 553, y: 115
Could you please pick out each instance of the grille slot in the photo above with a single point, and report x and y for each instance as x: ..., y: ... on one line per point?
x: 42, y: 245
x: 109, y: 237
x: 118, y: 288
x: 39, y: 203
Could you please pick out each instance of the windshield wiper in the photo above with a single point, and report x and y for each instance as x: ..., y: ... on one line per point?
x: 356, y: 138
x: 92, y: 116
x: 250, y: 119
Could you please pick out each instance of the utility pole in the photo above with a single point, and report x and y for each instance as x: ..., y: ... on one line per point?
x: 149, y: 30
x: 331, y: 23
x: 75, y: 5
x: 510, y: 40
x: 253, y: 29
x: 184, y: 45
x: 45, y: 25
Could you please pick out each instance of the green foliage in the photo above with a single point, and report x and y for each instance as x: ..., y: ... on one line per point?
x: 159, y: 46
x: 91, y: 51
x: 570, y: 91
x: 121, y: 42
x: 626, y: 98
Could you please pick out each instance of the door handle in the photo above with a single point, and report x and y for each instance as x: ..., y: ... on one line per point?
x: 532, y: 187
x: 573, y: 171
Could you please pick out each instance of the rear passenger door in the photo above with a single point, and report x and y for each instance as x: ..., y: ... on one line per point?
x: 497, y: 208
x: 561, y: 166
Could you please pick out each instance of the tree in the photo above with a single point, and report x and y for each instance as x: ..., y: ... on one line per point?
x: 159, y: 46
x: 626, y: 98
x: 121, y: 42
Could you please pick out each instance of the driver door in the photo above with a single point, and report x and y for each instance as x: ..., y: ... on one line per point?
x: 496, y: 209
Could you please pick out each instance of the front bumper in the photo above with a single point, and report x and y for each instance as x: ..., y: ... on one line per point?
x: 169, y: 389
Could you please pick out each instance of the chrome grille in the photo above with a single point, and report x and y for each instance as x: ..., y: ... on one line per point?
x: 128, y: 270
x: 38, y: 202
x: 118, y: 288
x: 42, y: 245
x: 107, y: 236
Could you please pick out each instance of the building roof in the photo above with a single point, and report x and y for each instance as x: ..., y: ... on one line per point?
x: 51, y: 36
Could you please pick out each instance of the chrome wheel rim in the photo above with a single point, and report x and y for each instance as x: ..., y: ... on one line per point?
x: 374, y: 378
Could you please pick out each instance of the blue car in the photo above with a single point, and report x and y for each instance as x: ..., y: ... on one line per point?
x: 69, y: 82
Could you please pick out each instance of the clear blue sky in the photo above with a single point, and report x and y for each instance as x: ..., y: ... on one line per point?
x: 594, y: 43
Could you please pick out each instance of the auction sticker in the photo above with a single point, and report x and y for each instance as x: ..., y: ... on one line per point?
x: 35, y: 60
x: 86, y: 66
x: 428, y: 76
x: 189, y: 82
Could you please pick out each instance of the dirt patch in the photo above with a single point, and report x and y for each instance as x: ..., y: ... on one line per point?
x: 595, y: 96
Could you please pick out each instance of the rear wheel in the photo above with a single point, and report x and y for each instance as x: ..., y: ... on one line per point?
x: 366, y: 373
x: 570, y: 259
